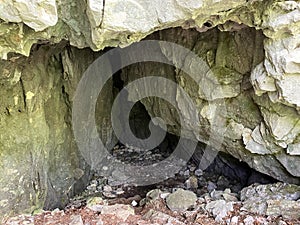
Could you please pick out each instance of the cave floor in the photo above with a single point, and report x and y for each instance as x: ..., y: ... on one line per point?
x: 199, y: 197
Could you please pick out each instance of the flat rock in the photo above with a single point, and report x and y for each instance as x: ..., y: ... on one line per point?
x: 181, y: 200
x: 161, y: 218
x: 119, y: 210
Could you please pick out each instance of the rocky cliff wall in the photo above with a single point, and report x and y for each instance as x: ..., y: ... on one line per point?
x: 252, y: 46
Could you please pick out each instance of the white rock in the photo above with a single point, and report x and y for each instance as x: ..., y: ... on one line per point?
x: 107, y: 188
x: 234, y: 220
x: 294, y: 149
x: 255, y: 141
x: 8, y: 12
x: 94, y: 12
x: 164, y: 195
x: 161, y: 218
x: 229, y: 197
x: 219, y: 209
x: 261, y: 81
x: 282, y: 63
x: 134, y: 203
x: 284, y: 124
x: 100, y: 222
x: 249, y: 220
x: 281, y: 222
x: 76, y: 220
x: 153, y: 195
x: 140, y: 16
x: 289, y: 88
x: 282, y: 18
x: 37, y: 14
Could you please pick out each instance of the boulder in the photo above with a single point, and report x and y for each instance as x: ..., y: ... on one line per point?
x: 181, y: 200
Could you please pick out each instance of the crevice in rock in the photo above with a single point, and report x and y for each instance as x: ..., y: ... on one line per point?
x: 23, y: 94
x: 102, y: 14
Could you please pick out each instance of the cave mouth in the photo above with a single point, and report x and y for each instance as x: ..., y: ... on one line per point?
x: 225, y: 171
x: 223, y: 165
x: 139, y: 120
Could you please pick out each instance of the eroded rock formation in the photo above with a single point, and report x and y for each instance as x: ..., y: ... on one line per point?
x: 252, y: 47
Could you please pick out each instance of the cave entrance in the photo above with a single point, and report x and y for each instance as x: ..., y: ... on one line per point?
x: 225, y: 53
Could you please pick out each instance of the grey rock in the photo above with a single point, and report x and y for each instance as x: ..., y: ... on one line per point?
x: 288, y: 209
x: 181, y: 200
x: 230, y: 197
x: 211, y: 186
x: 216, y: 195
x: 272, y: 199
x: 36, y: 169
x: 198, y: 172
x: 153, y: 195
x: 294, y: 149
x: 264, y: 132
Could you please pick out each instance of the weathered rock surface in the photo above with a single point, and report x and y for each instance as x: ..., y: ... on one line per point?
x: 259, y: 130
x: 41, y: 164
x: 273, y: 199
x: 36, y: 14
x: 119, y: 210
x: 181, y: 200
x: 257, y: 70
x: 161, y: 217
x: 219, y: 208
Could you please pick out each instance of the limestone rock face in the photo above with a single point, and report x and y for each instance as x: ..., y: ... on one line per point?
x: 41, y: 165
x: 264, y: 128
x: 36, y: 14
x: 251, y: 47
